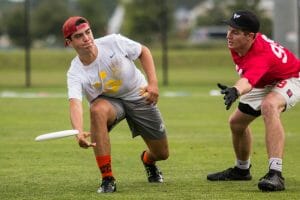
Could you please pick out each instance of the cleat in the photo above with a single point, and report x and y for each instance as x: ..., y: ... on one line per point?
x: 153, y: 173
x: 108, y: 185
x: 272, y: 181
x: 231, y: 174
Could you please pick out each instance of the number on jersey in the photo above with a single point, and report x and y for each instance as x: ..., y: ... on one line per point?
x: 277, y: 49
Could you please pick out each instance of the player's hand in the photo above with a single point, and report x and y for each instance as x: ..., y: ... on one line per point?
x: 150, y: 93
x: 82, y: 140
x: 230, y: 94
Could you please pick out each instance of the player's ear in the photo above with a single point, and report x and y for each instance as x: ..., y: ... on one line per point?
x: 252, y: 35
x: 68, y: 42
x: 249, y: 35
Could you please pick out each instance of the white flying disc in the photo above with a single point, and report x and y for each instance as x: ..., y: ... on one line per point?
x: 56, y: 135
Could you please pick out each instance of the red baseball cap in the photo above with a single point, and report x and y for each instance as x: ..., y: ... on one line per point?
x: 73, y: 24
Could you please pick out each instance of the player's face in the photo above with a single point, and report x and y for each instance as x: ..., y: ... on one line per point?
x: 238, y: 40
x: 82, y: 39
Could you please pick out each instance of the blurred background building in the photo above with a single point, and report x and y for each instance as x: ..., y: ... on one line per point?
x: 193, y: 22
x: 286, y: 23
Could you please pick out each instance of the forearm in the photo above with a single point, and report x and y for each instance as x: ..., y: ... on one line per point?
x: 76, y: 114
x: 243, y: 86
x: 148, y: 65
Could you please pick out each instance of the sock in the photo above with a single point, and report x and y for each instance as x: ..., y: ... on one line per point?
x: 147, y: 160
x: 275, y: 164
x: 241, y: 164
x: 104, y: 164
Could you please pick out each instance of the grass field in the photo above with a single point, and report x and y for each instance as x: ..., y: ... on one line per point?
x: 199, y: 137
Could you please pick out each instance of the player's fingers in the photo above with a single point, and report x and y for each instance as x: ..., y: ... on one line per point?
x: 152, y: 99
x: 86, y: 134
x: 222, y: 87
x: 92, y: 144
x: 223, y: 91
x: 142, y: 91
x: 145, y: 94
x: 84, y: 143
x: 228, y: 103
x: 228, y: 106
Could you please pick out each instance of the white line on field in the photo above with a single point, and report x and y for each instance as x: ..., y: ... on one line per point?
x: 32, y: 95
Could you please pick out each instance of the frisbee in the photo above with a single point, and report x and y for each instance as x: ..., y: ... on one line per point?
x: 56, y: 135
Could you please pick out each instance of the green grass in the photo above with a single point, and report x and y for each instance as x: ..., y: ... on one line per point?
x: 49, y: 67
x: 199, y: 138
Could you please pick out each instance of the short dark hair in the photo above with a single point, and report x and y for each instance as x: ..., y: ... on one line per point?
x: 80, y: 21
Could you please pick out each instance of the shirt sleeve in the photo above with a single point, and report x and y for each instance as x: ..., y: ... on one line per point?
x: 131, y: 48
x: 74, y: 86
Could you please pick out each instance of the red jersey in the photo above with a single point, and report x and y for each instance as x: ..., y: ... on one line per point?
x: 266, y: 63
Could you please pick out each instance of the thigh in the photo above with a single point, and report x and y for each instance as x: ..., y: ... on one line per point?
x: 144, y: 119
x: 254, y: 97
x: 240, y: 119
x: 289, y: 90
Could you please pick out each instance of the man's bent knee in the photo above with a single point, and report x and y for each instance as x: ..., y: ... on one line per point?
x: 234, y: 122
x: 102, y: 109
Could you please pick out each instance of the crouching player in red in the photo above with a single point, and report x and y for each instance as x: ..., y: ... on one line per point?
x: 269, y: 84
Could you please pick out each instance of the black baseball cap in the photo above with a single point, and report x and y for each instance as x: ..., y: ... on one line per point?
x: 244, y: 20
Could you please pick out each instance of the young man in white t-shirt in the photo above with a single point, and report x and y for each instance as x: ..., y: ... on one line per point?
x: 104, y: 72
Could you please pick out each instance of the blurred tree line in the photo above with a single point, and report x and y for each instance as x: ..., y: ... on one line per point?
x: 222, y: 10
x: 142, y: 20
x: 47, y: 17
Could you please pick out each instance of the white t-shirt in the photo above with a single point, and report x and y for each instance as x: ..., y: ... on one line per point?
x: 112, y: 74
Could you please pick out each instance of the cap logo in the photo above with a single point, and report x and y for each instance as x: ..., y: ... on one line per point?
x: 235, y: 16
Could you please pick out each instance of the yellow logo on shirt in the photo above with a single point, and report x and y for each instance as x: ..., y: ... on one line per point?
x: 96, y: 85
x: 110, y: 86
x: 102, y: 75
